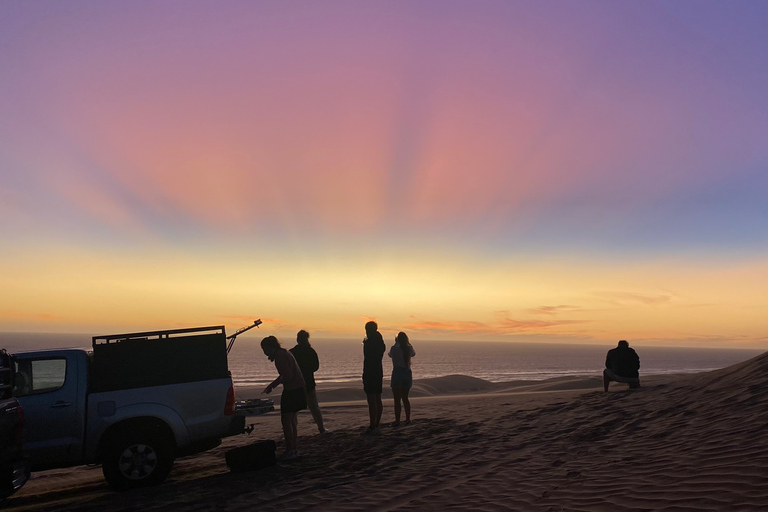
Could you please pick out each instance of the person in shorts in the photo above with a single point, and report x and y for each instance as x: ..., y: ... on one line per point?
x: 373, y: 374
x: 294, y: 397
x: 402, y: 376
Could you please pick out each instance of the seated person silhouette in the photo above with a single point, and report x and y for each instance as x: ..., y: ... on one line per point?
x: 621, y: 365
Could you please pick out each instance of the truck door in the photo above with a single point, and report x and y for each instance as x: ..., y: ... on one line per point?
x: 47, y: 388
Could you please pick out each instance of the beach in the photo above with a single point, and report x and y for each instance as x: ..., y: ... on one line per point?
x: 680, y: 442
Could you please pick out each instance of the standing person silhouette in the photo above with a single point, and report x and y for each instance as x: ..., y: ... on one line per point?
x: 373, y: 374
x: 309, y: 363
x: 294, y: 397
x: 402, y: 376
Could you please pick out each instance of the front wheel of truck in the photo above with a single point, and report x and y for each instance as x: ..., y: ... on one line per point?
x: 137, y: 460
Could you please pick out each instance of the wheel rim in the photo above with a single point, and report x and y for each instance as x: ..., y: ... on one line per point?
x: 137, y: 462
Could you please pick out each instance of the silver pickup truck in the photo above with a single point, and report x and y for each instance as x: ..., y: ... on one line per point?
x: 133, y: 404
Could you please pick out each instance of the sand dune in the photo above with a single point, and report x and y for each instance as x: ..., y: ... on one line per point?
x: 450, y: 385
x: 679, y: 443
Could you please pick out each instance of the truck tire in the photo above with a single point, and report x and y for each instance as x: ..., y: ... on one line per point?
x: 137, y: 460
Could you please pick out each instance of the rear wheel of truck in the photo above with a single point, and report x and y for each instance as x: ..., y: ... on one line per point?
x: 137, y: 460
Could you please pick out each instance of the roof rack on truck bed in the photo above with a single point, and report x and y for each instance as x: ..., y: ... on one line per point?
x: 157, y: 358
x: 165, y: 334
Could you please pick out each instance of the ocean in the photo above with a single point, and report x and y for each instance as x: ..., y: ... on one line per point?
x: 341, y: 360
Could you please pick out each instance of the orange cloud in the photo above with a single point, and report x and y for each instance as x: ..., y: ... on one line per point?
x: 509, y: 325
x: 247, y: 318
x: 501, y: 327
x: 620, y: 298
x: 435, y: 327
x: 22, y: 315
x: 552, y: 310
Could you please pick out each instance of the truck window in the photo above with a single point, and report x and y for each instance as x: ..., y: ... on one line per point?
x: 39, y: 376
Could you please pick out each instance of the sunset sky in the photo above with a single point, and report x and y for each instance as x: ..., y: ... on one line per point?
x: 575, y: 171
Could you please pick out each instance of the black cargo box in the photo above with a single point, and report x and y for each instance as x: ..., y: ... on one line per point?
x: 157, y: 358
x: 258, y: 455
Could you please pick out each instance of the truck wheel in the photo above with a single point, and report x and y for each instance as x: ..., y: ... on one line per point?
x: 137, y: 460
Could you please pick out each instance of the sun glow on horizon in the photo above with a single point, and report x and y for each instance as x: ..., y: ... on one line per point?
x: 427, y: 294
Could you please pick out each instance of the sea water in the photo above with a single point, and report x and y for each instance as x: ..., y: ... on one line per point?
x: 342, y: 360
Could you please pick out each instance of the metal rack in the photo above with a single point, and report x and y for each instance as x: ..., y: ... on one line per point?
x: 237, y: 333
x: 164, y: 334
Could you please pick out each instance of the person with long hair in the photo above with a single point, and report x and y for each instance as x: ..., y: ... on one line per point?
x: 294, y: 397
x: 402, y: 375
x: 309, y: 363
x: 373, y: 374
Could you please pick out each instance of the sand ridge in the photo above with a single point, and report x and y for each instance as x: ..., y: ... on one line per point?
x: 694, y: 442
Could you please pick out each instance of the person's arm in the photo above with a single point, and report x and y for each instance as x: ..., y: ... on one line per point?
x: 273, y: 385
x: 315, y: 361
x: 284, y: 370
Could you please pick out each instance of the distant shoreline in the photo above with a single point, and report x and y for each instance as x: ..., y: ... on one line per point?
x: 455, y: 385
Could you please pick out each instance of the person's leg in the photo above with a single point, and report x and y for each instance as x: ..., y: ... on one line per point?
x: 379, y: 409
x: 371, y: 408
x: 407, y: 405
x: 398, y: 396
x: 295, y: 430
x: 285, y: 419
x: 606, y: 380
x: 314, y: 408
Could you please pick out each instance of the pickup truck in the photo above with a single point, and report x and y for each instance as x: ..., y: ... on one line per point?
x: 133, y: 404
x: 14, y: 468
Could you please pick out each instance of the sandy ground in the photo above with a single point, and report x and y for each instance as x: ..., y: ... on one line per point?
x: 697, y: 442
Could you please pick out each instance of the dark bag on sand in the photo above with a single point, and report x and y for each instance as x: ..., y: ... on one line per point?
x: 258, y: 455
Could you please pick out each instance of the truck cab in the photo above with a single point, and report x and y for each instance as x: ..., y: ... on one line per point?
x: 51, y: 387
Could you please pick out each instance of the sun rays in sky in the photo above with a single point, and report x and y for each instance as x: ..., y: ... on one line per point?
x: 543, y: 171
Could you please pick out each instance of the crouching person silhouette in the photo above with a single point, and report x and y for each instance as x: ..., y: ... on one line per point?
x: 621, y: 365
